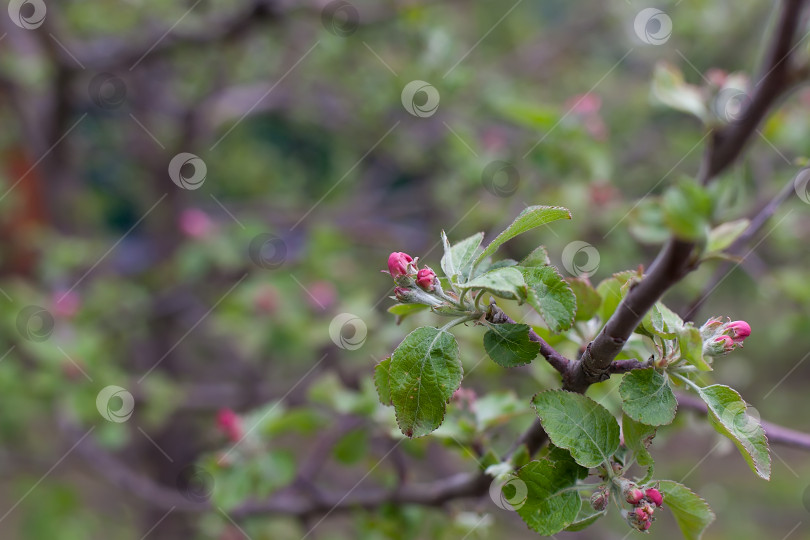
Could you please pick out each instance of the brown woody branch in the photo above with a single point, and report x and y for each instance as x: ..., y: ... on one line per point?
x: 676, y: 259
x: 757, y: 222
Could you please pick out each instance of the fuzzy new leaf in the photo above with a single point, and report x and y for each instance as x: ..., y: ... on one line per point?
x: 530, y: 218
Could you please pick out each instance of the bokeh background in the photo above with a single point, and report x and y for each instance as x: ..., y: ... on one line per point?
x: 209, y: 282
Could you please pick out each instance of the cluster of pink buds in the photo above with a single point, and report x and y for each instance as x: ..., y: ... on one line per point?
x: 413, y: 282
x: 721, y: 338
x: 644, y: 505
x: 230, y: 424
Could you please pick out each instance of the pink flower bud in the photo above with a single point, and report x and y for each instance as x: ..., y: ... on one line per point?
x: 600, y: 499
x: 195, y: 223
x: 425, y: 277
x: 404, y: 294
x: 716, y: 76
x: 230, y: 424
x: 646, y: 525
x: 267, y: 300
x: 398, y: 264
x: 322, y: 295
x: 718, y: 346
x: 738, y: 330
x: 584, y: 104
x: 641, y: 515
x: 655, y: 496
x: 711, y: 327
x: 65, y: 303
x: 633, y: 496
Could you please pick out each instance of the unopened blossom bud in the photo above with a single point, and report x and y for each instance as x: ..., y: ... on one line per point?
x: 65, y: 303
x: 600, y: 499
x: 654, y: 496
x: 195, y: 223
x: 425, y: 278
x: 398, y: 264
x: 646, y: 526
x: 711, y: 328
x: 230, y: 424
x: 404, y: 294
x: 633, y: 495
x: 641, y: 515
x: 738, y: 330
x: 718, y: 346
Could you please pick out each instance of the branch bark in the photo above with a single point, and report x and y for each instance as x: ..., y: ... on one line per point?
x: 757, y: 222
x: 676, y: 258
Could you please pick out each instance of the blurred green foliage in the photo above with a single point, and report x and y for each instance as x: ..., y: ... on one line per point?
x: 330, y: 162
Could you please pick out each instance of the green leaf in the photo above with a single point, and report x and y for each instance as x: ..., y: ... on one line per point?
x: 637, y: 438
x: 403, y: 310
x: 550, y: 506
x: 588, y: 299
x: 509, y: 345
x: 530, y: 218
x: 670, y: 88
x: 382, y: 382
x: 424, y: 372
x: 578, y: 424
x: 538, y: 257
x: 612, y: 291
x: 687, y: 209
x: 662, y: 321
x: 563, y: 458
x: 550, y: 296
x: 691, y: 344
x: 647, y: 397
x: 725, y: 234
x: 587, y: 516
x: 691, y: 512
x: 457, y: 260
x: 503, y: 282
x: 727, y: 413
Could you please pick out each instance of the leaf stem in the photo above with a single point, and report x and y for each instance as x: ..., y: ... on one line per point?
x: 691, y: 384
x: 456, y: 322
